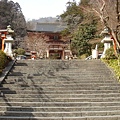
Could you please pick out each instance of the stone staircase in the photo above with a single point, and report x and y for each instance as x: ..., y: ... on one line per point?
x: 60, y: 90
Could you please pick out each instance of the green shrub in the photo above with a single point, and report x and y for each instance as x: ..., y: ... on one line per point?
x: 110, y: 54
x: 113, y: 63
x: 0, y: 72
x: 83, y: 56
x: 19, y: 51
x: 3, y: 59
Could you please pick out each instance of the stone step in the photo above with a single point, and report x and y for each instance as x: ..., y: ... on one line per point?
x: 61, y: 79
x: 60, y: 88
x: 59, y: 68
x: 64, y: 68
x: 60, y: 113
x: 60, y: 104
x: 69, y: 95
x: 71, y: 63
x: 70, y: 72
x: 52, y: 82
x: 31, y: 83
x: 54, y: 74
x: 58, y: 108
x: 62, y: 71
x: 59, y: 91
x: 115, y: 117
x: 65, y: 99
x: 67, y: 70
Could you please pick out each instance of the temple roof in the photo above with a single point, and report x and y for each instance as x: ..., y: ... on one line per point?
x: 3, y: 30
x: 50, y: 27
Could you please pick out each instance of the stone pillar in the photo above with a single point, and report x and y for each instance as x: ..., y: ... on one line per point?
x: 5, y: 35
x: 107, y: 44
x: 47, y: 51
x: 107, y: 40
x: 94, y: 54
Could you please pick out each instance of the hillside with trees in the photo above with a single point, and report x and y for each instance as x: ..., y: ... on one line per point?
x: 11, y: 14
x: 31, y: 24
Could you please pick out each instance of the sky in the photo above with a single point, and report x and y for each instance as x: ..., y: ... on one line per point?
x: 35, y: 9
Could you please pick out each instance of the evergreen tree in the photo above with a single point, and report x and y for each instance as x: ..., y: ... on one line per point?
x: 82, y: 24
x: 80, y: 42
x: 11, y: 14
x: 73, y: 15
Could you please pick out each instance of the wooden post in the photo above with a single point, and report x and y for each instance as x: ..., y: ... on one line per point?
x: 63, y: 53
x: 3, y: 36
x: 2, y: 44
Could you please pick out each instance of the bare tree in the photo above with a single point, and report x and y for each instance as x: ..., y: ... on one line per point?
x: 108, y: 11
x: 36, y: 42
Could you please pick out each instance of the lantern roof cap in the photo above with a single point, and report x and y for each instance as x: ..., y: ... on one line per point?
x: 106, y: 30
x: 9, y: 29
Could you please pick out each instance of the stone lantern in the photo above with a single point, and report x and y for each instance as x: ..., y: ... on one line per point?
x: 106, y: 40
x: 8, y: 41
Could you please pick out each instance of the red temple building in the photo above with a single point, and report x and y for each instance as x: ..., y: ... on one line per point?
x: 50, y: 42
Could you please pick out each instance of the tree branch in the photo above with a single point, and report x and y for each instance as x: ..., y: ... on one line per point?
x: 101, y: 14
